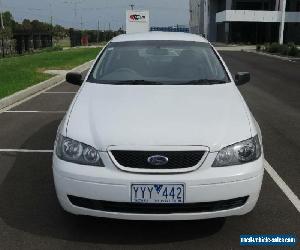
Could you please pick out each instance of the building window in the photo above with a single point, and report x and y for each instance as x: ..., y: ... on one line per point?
x: 221, y: 5
x: 298, y: 6
x: 293, y: 5
x: 242, y: 5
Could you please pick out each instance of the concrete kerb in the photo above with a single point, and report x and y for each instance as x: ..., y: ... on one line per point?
x: 25, y: 93
x: 252, y: 49
x: 284, y: 58
x: 235, y: 48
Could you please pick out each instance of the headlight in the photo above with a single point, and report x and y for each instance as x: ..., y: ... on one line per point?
x: 74, y: 151
x: 239, y: 153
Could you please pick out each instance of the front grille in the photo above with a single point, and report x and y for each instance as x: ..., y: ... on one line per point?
x: 139, y: 159
x: 152, y: 208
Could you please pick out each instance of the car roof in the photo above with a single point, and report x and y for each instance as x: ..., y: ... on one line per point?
x: 159, y: 36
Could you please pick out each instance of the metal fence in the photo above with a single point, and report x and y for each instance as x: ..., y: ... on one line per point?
x: 171, y: 29
x: 7, y: 47
x: 24, y: 43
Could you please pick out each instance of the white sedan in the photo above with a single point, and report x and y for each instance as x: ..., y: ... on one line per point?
x: 158, y: 131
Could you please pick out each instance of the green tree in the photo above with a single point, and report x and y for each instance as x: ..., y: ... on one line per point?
x: 8, y: 23
x: 59, y: 32
x: 26, y: 25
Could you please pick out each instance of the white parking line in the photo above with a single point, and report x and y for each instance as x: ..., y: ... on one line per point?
x: 283, y: 186
x: 30, y: 97
x: 26, y: 151
x: 34, y: 111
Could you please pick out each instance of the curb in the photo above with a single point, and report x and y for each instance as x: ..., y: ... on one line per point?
x: 25, y: 93
x: 233, y: 48
x: 290, y: 59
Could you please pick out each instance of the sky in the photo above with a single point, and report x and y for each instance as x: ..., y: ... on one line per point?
x: 69, y: 13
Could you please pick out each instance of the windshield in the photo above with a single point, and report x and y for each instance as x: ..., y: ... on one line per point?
x: 158, y: 62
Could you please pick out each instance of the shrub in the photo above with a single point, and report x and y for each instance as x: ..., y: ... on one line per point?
x: 258, y: 47
x: 284, y: 49
x: 266, y: 47
x: 293, y: 51
x: 55, y: 48
x: 274, y: 48
x: 289, y: 49
x: 291, y: 45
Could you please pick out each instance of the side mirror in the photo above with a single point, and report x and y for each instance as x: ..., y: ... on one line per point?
x: 74, y: 78
x: 242, y: 78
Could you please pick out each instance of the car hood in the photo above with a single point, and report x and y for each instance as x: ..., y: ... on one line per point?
x: 103, y: 115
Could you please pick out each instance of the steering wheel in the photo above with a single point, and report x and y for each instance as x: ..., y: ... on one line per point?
x: 131, y: 71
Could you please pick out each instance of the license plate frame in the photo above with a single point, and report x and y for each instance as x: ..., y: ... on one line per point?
x: 162, y: 193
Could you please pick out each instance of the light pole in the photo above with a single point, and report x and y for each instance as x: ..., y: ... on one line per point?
x: 281, y: 28
x: 98, y: 30
x: 51, y: 14
x: 199, y: 17
x: 206, y: 19
x: 51, y: 23
x: 81, y: 23
x: 1, y: 16
x: 2, y: 27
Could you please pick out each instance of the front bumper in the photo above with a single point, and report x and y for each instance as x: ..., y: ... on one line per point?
x: 203, y: 185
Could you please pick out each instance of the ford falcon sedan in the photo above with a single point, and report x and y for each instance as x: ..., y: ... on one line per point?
x: 158, y: 131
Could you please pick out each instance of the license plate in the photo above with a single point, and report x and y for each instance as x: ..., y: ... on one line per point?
x: 157, y: 193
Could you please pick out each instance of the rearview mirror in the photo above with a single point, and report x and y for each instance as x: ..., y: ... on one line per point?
x: 74, y: 78
x: 242, y: 78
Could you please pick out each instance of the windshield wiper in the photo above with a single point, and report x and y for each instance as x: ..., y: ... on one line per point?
x: 136, y: 82
x: 148, y: 82
x: 204, y: 82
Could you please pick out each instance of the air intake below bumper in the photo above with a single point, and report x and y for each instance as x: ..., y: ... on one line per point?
x: 147, y: 208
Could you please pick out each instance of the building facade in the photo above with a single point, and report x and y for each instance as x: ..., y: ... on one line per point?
x: 251, y: 21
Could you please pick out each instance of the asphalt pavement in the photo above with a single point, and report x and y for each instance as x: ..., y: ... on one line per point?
x: 31, y: 218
